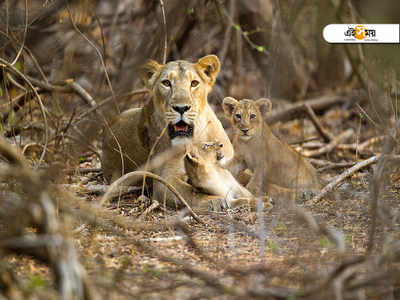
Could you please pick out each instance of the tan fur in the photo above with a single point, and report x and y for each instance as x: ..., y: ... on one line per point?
x: 175, y: 84
x: 278, y: 169
x: 192, y: 169
x: 205, y: 173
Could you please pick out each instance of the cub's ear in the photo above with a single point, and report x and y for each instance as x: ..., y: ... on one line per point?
x: 208, y: 67
x: 149, y: 72
x: 228, y: 105
x: 264, y: 105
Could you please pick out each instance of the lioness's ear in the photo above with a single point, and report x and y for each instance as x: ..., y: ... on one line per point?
x: 209, y: 67
x: 149, y: 72
x: 228, y: 104
x: 264, y: 105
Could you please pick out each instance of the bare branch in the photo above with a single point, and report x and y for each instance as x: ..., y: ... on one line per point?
x: 338, y: 179
x: 329, y: 147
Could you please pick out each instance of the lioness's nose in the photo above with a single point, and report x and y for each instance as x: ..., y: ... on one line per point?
x: 181, y: 109
x: 245, y: 131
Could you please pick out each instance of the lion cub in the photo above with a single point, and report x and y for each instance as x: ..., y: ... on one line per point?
x: 275, y: 165
x: 205, y: 173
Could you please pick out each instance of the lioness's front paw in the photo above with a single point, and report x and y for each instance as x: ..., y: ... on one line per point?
x: 219, y: 205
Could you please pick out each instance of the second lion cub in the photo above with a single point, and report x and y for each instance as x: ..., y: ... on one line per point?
x: 273, y: 162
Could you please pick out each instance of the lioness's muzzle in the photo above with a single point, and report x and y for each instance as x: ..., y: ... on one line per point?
x: 180, y: 129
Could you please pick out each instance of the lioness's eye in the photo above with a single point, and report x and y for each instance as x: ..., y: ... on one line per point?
x: 194, y: 83
x: 238, y: 116
x: 166, y: 82
x: 252, y: 116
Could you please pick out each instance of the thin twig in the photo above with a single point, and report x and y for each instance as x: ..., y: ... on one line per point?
x: 151, y: 154
x: 42, y: 108
x: 338, y: 179
x: 82, y: 92
x: 326, y: 135
x: 361, y: 147
x: 24, y: 37
x: 99, y: 55
x: 165, y: 32
x: 133, y: 175
x: 109, y: 99
x: 329, y: 147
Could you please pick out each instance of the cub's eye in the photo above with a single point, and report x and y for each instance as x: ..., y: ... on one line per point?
x: 166, y: 83
x: 252, y: 116
x: 238, y: 116
x: 194, y: 83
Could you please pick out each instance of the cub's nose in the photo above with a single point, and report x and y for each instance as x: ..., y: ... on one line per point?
x: 181, y: 109
x: 245, y: 131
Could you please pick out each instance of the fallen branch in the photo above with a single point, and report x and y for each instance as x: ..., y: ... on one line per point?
x: 82, y: 171
x: 338, y: 179
x: 326, y: 164
x: 329, y: 147
x: 67, y: 86
x: 364, y: 145
x: 326, y: 135
x: 109, y: 99
x: 337, y: 166
x: 100, y: 189
x: 317, y: 104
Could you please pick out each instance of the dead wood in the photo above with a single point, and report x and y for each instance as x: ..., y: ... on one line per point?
x: 120, y: 97
x: 82, y: 171
x: 47, y: 244
x: 99, y: 189
x: 329, y: 147
x: 317, y: 104
x: 325, y: 134
x: 338, y: 179
x: 359, y: 148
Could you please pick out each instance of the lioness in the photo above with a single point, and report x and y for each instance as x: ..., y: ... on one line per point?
x: 274, y: 163
x: 179, y: 104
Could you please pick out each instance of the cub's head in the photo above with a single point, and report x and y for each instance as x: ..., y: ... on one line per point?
x: 201, y: 158
x: 246, y: 115
x: 180, y: 90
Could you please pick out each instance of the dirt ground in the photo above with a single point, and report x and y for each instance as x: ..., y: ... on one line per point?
x: 235, y: 254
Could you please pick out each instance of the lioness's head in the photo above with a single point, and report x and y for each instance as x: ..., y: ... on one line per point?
x: 180, y: 90
x: 246, y: 115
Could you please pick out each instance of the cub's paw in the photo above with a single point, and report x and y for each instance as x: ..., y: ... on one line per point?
x: 218, y: 205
